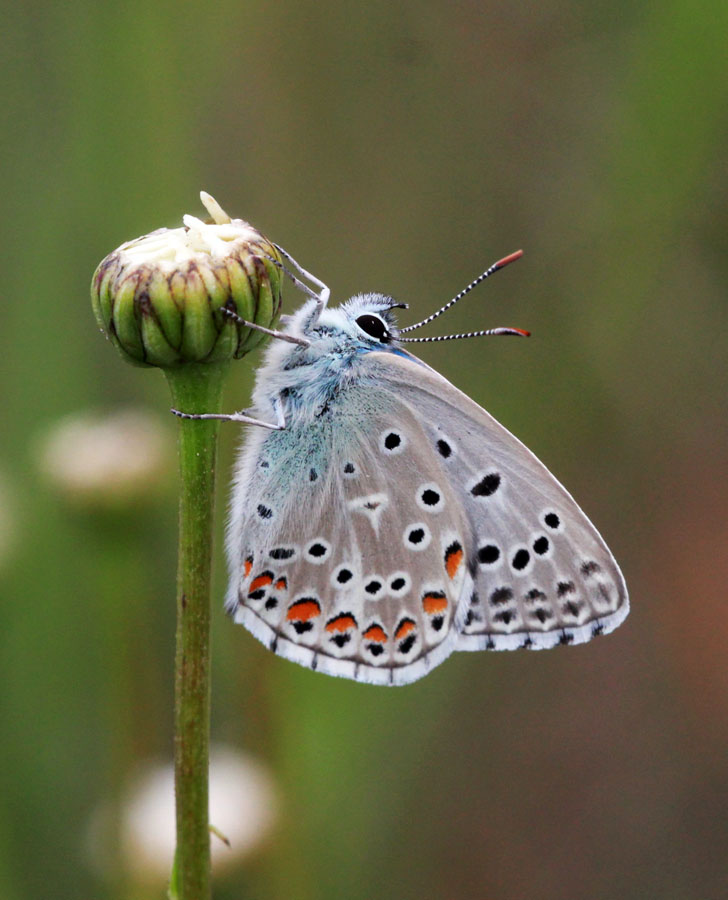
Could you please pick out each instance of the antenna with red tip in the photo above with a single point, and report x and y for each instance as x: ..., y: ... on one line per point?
x: 518, y: 332
x: 512, y: 257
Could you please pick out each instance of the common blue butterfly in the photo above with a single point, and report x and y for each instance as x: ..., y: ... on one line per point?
x: 380, y: 519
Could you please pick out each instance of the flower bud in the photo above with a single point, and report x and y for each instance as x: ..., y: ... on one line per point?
x: 159, y: 298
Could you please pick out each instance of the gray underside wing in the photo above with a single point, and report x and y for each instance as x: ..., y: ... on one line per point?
x: 404, y: 523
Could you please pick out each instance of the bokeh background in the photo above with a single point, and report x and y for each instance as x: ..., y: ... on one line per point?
x: 402, y: 147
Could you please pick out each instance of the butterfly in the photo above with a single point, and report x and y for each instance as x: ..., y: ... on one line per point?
x: 381, y: 519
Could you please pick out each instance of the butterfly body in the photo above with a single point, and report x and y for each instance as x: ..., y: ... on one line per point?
x: 389, y: 520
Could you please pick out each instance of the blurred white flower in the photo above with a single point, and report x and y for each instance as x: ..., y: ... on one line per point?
x: 243, y: 807
x: 108, y: 460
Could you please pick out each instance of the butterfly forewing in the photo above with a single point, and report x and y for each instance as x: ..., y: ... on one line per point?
x: 542, y: 573
x: 353, y: 541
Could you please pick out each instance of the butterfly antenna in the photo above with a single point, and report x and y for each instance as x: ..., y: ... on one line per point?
x: 512, y: 257
x: 518, y: 332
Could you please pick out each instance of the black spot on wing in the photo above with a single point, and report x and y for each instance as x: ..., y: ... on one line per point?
x: 282, y: 553
x: 505, y: 616
x: 572, y: 608
x: 407, y: 644
x: 488, y: 554
x: 487, y: 485
x: 501, y: 595
x: 392, y: 440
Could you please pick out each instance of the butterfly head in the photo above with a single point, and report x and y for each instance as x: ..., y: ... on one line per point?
x: 371, y: 319
x: 363, y: 323
x: 328, y: 342
x: 330, y: 339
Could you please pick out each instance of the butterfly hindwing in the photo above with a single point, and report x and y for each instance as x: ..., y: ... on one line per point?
x: 542, y: 573
x: 348, y: 542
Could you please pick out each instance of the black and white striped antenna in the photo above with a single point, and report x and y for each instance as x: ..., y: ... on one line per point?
x: 512, y: 257
x: 519, y: 332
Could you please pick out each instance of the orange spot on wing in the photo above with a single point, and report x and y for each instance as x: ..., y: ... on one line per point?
x: 303, y: 610
x: 248, y: 565
x: 261, y: 581
x: 341, y: 623
x: 375, y: 633
x: 453, y: 561
x: 434, y: 602
x: 281, y: 584
x: 405, y: 627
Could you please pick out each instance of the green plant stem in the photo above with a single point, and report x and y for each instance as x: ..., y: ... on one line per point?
x: 195, y: 388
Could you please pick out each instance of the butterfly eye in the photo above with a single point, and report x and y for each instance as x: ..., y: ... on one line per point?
x: 374, y: 327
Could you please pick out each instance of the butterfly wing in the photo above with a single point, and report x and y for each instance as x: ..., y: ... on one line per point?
x: 347, y: 541
x: 542, y: 573
x: 404, y: 523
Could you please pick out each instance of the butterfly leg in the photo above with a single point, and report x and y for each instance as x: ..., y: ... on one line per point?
x: 296, y: 281
x: 321, y: 298
x: 281, y: 335
x: 241, y: 417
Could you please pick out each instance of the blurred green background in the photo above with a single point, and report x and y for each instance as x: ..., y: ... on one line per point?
x: 402, y: 147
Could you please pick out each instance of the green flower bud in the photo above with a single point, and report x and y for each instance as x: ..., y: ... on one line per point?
x: 159, y: 298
